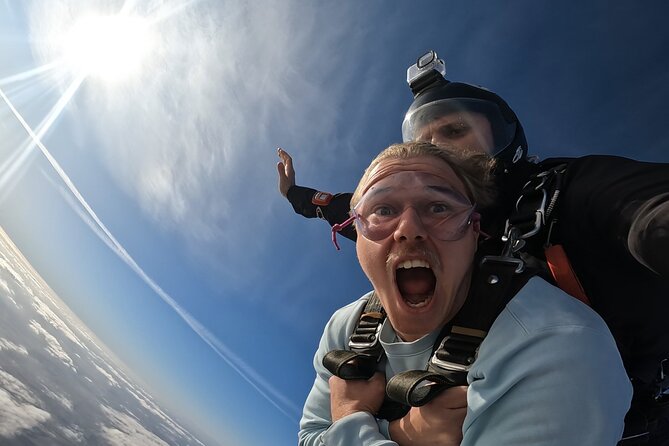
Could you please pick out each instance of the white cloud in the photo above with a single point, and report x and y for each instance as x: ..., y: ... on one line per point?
x: 16, y: 416
x: 124, y: 430
x: 72, y: 433
x: 7, y: 292
x: 64, y: 401
x: 52, y: 345
x: 4, y: 264
x: 56, y: 322
x: 18, y: 406
x: 190, y: 137
x: 10, y: 346
x: 110, y: 379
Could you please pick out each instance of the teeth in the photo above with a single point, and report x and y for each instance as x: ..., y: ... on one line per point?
x: 413, y: 264
x: 420, y: 304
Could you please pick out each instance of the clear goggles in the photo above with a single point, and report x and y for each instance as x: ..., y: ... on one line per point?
x: 444, y: 213
x: 448, y: 121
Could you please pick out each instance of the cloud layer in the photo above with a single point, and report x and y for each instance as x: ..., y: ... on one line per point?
x: 57, y: 385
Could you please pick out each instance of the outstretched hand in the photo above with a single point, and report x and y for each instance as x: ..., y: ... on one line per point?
x: 286, y: 172
x: 439, y: 422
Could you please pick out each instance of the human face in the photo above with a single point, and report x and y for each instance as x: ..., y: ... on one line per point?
x: 461, y: 131
x: 422, y: 281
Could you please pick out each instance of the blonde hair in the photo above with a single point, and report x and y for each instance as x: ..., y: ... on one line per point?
x: 474, y: 169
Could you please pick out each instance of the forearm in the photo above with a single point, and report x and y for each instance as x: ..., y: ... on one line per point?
x: 305, y: 201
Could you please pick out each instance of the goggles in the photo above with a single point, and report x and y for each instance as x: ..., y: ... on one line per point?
x: 430, y: 122
x: 444, y: 213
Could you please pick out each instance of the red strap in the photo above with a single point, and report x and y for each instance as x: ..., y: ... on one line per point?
x: 563, y: 273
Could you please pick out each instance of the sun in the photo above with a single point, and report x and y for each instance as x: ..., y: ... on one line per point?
x: 108, y: 47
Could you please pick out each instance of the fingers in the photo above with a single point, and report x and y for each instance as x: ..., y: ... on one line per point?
x: 287, y: 161
x: 452, y: 398
x: 285, y: 157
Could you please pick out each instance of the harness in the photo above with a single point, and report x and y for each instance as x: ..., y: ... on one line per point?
x: 496, y: 279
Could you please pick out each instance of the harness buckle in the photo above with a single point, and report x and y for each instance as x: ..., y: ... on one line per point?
x: 513, y: 243
x: 457, y: 351
x: 662, y: 393
x: 357, y: 342
x: 539, y: 214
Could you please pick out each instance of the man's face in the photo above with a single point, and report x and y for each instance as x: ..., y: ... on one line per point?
x: 421, y: 280
x: 462, y: 131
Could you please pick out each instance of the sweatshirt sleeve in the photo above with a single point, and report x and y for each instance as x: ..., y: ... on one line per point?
x: 316, y: 426
x: 547, y: 384
x: 332, y: 208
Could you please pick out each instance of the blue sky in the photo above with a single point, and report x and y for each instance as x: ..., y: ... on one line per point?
x: 197, y: 274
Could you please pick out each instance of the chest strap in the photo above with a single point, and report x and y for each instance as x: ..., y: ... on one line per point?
x: 365, y: 351
x: 496, y: 280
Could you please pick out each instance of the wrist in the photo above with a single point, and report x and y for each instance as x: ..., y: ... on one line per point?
x: 343, y: 411
x: 396, y: 432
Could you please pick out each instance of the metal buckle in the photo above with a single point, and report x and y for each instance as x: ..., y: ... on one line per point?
x: 366, y: 345
x: 513, y: 243
x: 520, y: 265
x: 449, y: 365
x: 662, y: 394
x: 539, y: 215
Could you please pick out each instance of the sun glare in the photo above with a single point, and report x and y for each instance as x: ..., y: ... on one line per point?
x: 109, y: 47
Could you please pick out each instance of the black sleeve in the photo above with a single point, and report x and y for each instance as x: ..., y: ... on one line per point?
x: 335, y: 211
x: 623, y: 204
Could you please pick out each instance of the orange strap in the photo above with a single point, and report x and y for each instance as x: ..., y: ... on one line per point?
x: 564, y: 274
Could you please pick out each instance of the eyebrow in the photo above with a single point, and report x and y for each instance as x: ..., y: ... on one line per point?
x: 452, y: 192
x: 446, y: 190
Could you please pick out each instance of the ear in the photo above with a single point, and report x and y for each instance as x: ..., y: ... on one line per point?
x: 476, y: 223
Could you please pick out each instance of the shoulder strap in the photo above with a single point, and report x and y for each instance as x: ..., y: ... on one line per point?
x: 495, y: 281
x: 365, y: 351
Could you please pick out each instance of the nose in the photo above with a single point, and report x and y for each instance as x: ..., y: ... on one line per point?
x: 410, y: 226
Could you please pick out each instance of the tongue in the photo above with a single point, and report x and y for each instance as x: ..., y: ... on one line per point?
x: 415, y: 284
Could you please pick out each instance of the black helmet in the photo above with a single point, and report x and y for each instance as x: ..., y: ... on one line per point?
x: 435, y: 97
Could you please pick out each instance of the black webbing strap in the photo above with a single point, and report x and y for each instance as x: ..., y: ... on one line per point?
x: 496, y: 280
x: 361, y: 361
x: 647, y: 421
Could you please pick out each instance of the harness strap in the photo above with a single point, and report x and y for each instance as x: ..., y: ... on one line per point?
x: 496, y: 280
x: 361, y: 361
x: 564, y: 274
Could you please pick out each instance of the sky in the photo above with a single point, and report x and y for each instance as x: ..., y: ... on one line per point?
x: 147, y: 197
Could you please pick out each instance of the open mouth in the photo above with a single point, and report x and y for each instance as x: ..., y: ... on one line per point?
x: 416, y: 282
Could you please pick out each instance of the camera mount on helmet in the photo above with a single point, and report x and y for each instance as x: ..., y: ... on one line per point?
x: 436, y: 97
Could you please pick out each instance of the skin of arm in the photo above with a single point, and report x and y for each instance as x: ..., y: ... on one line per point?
x: 438, y: 423
x: 286, y: 172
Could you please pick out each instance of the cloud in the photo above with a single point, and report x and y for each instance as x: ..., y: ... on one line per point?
x: 53, y: 347
x: 56, y: 322
x: 18, y: 407
x: 126, y: 431
x: 8, y: 345
x: 192, y: 138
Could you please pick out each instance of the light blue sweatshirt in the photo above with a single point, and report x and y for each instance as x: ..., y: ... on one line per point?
x: 548, y: 373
